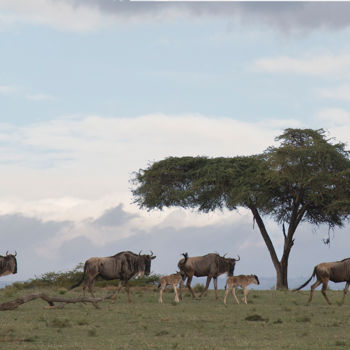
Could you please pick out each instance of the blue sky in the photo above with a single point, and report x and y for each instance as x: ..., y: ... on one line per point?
x: 91, y: 91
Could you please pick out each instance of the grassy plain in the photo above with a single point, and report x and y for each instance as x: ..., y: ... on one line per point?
x: 271, y: 320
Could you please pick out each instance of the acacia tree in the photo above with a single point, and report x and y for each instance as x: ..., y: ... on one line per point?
x: 304, y: 179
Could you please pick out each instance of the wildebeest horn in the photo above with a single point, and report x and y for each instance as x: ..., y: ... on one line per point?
x: 238, y: 258
x: 224, y: 255
x: 140, y: 252
x: 151, y: 252
x: 15, y: 253
x: 7, y: 253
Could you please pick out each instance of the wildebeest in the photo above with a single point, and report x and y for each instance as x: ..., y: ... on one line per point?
x: 337, y: 271
x: 8, y: 264
x: 240, y: 281
x: 211, y: 265
x: 172, y: 280
x: 122, y: 266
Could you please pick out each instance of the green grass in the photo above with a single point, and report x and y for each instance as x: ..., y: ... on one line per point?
x: 272, y: 320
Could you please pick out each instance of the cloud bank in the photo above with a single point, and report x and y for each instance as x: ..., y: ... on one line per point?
x: 84, y: 15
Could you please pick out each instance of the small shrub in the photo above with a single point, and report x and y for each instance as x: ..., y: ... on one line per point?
x: 82, y: 323
x: 278, y: 321
x: 198, y: 288
x: 60, y: 323
x: 161, y: 333
x: 256, y: 317
x: 340, y: 343
x: 31, y: 339
x: 303, y: 319
x: 92, y: 332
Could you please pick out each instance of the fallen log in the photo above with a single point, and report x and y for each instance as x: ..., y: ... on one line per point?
x: 13, y: 304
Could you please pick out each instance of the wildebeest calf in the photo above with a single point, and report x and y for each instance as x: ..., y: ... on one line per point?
x: 172, y: 280
x: 240, y: 281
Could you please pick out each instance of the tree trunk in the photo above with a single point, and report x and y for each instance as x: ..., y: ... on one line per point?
x: 281, y: 266
x: 282, y: 277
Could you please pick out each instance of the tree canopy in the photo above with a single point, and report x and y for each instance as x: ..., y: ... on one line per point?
x: 306, y: 178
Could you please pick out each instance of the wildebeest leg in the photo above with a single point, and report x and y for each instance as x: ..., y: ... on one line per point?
x: 120, y: 286
x: 315, y: 285
x: 176, y: 295
x: 91, y: 284
x: 206, y: 286
x: 228, y: 287
x: 245, y: 292
x: 84, y: 287
x: 188, y: 284
x: 162, y: 287
x: 234, y: 294
x: 128, y: 291
x: 345, y: 291
x: 180, y: 289
x: 324, y: 288
x: 216, y: 287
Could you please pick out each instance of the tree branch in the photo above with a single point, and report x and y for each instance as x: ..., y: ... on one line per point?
x: 13, y: 304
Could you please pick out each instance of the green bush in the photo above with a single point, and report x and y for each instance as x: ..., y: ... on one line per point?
x: 198, y: 288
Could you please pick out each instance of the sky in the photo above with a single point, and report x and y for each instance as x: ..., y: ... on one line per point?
x: 92, y: 91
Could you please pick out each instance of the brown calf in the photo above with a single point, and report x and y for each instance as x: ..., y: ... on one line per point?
x: 240, y: 281
x: 172, y: 280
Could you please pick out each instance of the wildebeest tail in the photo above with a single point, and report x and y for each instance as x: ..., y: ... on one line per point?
x: 81, y: 280
x: 303, y: 285
x: 181, y: 264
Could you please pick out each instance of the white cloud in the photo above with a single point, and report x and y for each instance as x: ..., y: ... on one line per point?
x: 7, y: 90
x: 315, y: 65
x: 336, y: 93
x: 39, y: 97
x: 335, y: 118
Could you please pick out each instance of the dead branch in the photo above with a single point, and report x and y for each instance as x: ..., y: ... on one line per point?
x: 13, y: 304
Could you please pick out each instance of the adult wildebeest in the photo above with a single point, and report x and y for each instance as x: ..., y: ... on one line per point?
x: 338, y: 271
x: 8, y: 264
x: 211, y: 265
x: 122, y: 266
x: 240, y: 281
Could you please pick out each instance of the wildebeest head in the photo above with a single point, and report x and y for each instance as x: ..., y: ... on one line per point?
x: 145, y: 263
x: 9, y: 263
x: 231, y: 264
